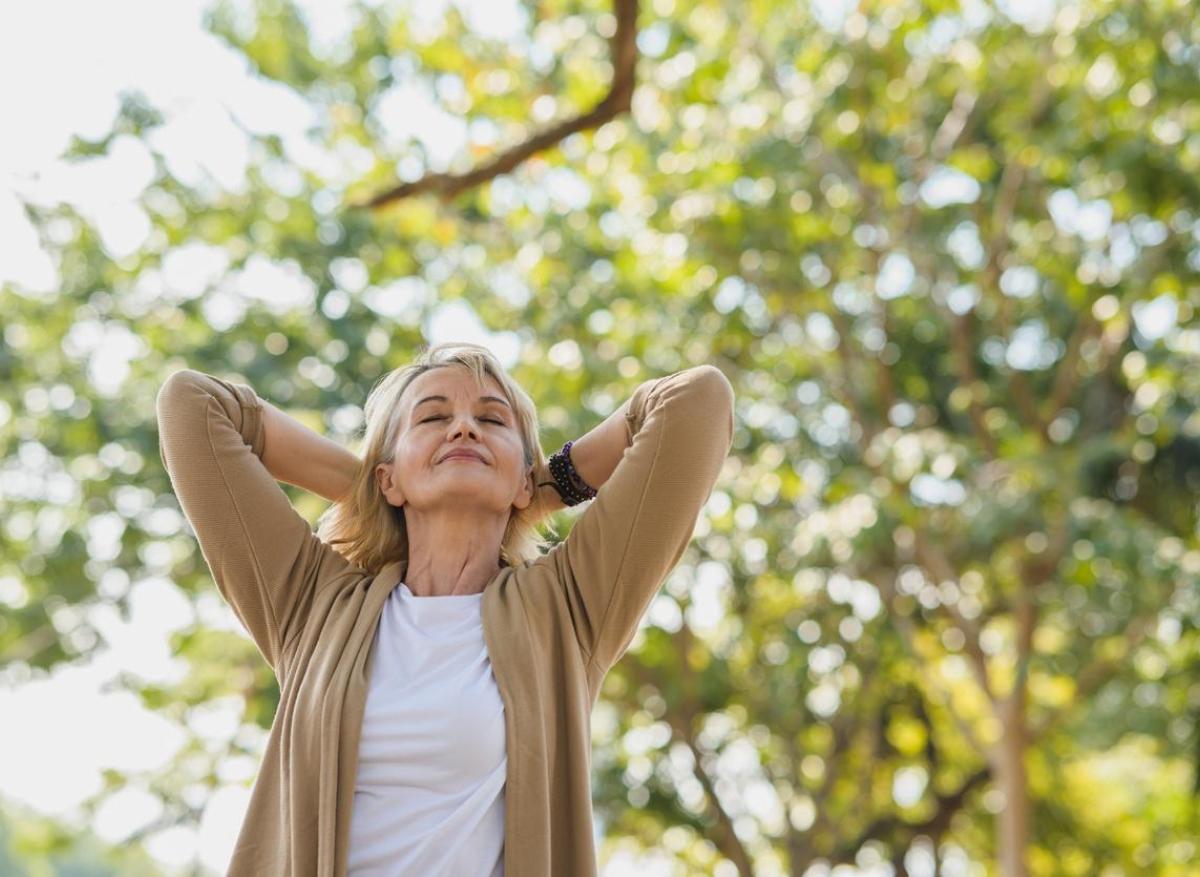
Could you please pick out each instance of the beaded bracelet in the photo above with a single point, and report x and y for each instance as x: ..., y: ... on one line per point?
x: 570, y: 486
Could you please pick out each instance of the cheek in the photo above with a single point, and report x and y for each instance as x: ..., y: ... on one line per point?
x: 515, y: 453
x: 415, y: 446
x: 410, y: 464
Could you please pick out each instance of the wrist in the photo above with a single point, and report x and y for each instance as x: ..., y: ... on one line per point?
x: 595, y: 455
x: 573, y: 488
x: 546, y: 489
x: 298, y: 455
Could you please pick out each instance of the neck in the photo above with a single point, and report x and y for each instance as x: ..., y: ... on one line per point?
x: 451, y: 553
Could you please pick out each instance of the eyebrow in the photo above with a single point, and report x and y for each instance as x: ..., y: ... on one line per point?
x: 481, y: 399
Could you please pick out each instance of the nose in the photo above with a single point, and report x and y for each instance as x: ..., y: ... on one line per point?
x: 460, y: 421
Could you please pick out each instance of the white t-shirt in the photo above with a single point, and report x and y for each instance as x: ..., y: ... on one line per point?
x: 429, y: 794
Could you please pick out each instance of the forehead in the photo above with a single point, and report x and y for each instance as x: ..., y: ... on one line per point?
x: 451, y: 381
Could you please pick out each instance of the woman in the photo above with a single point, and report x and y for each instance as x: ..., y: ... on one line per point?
x: 437, y: 670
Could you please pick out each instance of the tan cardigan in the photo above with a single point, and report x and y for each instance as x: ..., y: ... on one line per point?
x: 553, y: 627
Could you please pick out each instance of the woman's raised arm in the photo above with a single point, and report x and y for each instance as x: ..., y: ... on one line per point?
x: 298, y: 455
x: 594, y: 455
x: 264, y: 558
x: 679, y: 430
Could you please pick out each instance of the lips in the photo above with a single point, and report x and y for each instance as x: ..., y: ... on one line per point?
x: 462, y: 453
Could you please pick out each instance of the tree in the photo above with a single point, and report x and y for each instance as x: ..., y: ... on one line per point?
x: 943, y: 605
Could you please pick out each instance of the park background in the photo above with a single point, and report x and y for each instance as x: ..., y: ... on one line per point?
x: 940, y: 613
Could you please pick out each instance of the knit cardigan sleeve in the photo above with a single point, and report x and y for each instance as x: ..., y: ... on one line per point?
x: 264, y: 557
x: 633, y: 533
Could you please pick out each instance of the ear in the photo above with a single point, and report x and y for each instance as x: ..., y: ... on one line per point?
x: 388, y: 485
x: 527, y: 492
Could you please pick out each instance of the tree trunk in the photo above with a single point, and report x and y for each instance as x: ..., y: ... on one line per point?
x: 1012, y: 825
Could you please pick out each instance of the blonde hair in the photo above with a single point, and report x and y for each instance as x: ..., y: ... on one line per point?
x: 369, y: 532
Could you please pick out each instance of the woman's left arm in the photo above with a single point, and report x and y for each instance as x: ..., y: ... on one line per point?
x: 594, y: 455
x: 678, y: 430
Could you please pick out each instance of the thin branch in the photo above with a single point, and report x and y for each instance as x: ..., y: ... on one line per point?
x: 726, y: 838
x: 802, y: 852
x: 680, y: 722
x: 32, y: 644
x: 1005, y: 204
x: 945, y: 807
x: 936, y: 561
x: 1038, y: 568
x: 844, y: 729
x: 1019, y: 387
x: 908, y: 633
x: 802, y: 845
x: 944, y: 139
x: 1014, y: 171
x: 1067, y: 375
x: 680, y: 717
x: 624, y: 55
x: 849, y: 356
x: 1026, y: 620
x: 1096, y: 674
x: 1036, y: 571
x: 952, y: 125
x: 173, y: 817
x: 887, y: 380
x: 960, y: 336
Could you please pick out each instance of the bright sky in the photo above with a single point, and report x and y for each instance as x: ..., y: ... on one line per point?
x: 64, y: 64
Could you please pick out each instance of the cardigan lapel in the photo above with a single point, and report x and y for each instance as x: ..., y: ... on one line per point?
x: 356, y: 661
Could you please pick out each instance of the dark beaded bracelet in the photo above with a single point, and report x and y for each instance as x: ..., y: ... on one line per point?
x: 570, y: 486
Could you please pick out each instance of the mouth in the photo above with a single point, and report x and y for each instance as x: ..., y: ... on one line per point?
x: 461, y: 455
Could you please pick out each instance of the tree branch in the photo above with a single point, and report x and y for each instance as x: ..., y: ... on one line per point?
x: 945, y: 807
x: 680, y: 722
x: 1036, y: 571
x: 997, y: 242
x: 844, y: 727
x: 960, y: 336
x: 1067, y: 375
x: 907, y: 630
x: 935, y: 560
x: 1096, y: 674
x: 887, y: 381
x: 953, y: 124
x: 624, y: 54
x: 848, y: 354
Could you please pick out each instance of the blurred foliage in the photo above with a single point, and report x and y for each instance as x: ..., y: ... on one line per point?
x: 32, y: 845
x: 946, y: 590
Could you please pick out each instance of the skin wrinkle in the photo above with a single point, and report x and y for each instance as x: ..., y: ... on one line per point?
x: 455, y: 512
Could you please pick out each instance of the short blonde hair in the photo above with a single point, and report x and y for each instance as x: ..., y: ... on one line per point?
x: 369, y: 532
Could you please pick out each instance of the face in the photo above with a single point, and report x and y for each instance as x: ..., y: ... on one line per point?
x: 466, y: 417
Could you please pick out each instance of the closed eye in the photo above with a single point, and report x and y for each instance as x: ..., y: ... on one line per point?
x: 488, y: 419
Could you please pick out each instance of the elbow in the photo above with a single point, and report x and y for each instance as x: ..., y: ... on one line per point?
x: 700, y: 399
x: 717, y: 384
x: 176, y: 383
x: 715, y: 381
x: 169, y: 409
x: 717, y: 393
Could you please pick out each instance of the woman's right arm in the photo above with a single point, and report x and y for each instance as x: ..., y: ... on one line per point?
x: 265, y: 560
x: 298, y: 455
